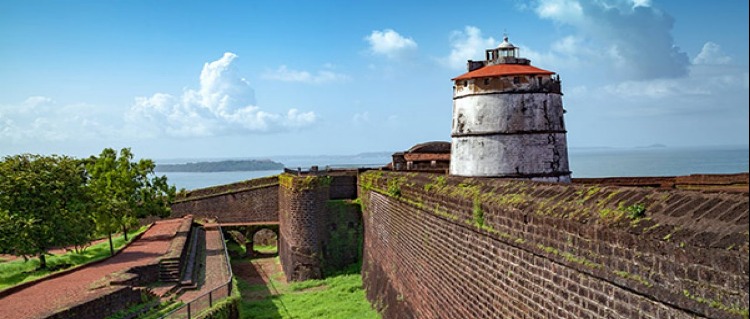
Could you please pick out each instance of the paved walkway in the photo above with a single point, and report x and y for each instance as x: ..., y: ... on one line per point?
x: 217, y: 272
x: 47, y: 297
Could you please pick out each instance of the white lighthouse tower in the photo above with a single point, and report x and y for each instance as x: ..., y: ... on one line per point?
x: 508, y: 120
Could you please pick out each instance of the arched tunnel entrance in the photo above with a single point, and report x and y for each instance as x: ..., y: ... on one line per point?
x: 255, y: 240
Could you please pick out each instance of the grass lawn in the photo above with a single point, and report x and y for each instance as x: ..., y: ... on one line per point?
x: 265, y: 249
x: 339, y: 296
x: 19, y: 271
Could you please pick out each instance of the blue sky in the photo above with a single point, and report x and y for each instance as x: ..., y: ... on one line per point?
x: 180, y: 79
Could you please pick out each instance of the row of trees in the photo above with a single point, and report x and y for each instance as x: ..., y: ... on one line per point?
x: 53, y: 201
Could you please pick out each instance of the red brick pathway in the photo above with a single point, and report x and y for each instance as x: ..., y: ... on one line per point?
x: 47, y: 297
x: 217, y: 272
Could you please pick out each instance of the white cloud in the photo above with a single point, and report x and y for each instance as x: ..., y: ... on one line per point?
x: 283, y: 73
x: 566, y: 11
x: 40, y: 119
x: 636, y: 37
x: 708, y: 91
x: 224, y: 103
x: 467, y: 45
x: 34, y: 101
x: 711, y: 54
x: 390, y: 44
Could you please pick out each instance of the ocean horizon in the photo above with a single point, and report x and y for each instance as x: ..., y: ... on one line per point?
x: 585, y: 162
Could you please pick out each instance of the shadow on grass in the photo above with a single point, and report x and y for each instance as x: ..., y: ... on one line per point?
x: 257, y: 298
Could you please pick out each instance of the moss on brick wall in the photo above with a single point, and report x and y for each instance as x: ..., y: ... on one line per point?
x: 342, y: 242
x: 618, y: 251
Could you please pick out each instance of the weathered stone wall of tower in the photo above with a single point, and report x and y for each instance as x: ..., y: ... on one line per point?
x: 302, y: 209
x: 509, y: 127
x: 438, y: 247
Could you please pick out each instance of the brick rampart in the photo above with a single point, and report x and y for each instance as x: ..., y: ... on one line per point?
x: 704, y: 182
x: 250, y: 201
x: 443, y: 247
x: 343, y: 186
x: 342, y: 235
x: 302, y: 207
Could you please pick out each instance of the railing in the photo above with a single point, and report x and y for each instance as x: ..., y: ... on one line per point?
x: 207, y: 300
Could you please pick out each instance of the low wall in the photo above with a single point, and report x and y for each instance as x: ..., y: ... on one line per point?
x: 102, y: 306
x: 704, y: 182
x: 255, y: 200
x: 439, y: 246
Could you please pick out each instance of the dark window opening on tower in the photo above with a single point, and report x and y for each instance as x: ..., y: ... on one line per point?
x: 516, y: 80
x: 486, y: 81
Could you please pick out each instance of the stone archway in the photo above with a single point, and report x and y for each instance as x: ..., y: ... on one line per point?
x: 262, y: 236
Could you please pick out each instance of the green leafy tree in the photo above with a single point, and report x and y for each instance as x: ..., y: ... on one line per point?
x: 124, y: 190
x: 43, y: 204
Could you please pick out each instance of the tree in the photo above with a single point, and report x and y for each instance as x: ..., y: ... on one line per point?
x: 43, y: 204
x: 124, y: 190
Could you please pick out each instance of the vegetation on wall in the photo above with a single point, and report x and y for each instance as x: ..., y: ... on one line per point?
x: 343, y: 246
x: 303, y: 183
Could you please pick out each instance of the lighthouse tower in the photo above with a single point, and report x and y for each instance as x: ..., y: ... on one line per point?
x: 508, y: 120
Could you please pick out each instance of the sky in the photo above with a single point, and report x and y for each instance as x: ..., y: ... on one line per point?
x: 248, y: 79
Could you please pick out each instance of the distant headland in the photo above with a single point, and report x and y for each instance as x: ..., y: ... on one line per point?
x: 221, y: 166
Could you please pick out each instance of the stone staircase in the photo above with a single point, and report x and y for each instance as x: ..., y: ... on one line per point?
x: 169, y: 270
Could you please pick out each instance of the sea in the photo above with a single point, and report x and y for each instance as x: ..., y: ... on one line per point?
x: 584, y: 162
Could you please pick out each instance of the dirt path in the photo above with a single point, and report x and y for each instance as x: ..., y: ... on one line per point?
x: 47, y: 297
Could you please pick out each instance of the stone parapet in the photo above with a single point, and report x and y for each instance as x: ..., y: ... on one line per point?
x: 490, y: 248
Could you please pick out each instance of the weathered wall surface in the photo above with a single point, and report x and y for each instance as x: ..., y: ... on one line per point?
x: 439, y: 247
x: 706, y: 182
x: 497, y: 133
x: 301, y: 224
x: 342, y: 235
x: 253, y: 201
x: 343, y: 185
x: 318, y: 236
x: 103, y: 306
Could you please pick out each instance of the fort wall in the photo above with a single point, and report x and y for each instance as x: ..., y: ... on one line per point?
x: 252, y: 201
x: 489, y: 248
x: 704, y: 182
x: 302, y: 206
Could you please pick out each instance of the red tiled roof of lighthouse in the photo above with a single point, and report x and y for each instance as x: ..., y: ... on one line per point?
x: 503, y: 70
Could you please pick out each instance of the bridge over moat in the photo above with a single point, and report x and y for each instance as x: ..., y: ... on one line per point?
x: 319, y: 228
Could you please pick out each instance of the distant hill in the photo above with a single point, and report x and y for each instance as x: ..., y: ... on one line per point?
x: 221, y: 166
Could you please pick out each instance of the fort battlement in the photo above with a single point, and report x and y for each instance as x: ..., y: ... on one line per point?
x: 437, y: 245
x: 497, y: 248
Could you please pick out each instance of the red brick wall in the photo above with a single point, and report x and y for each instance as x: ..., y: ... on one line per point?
x: 252, y: 201
x: 101, y: 307
x: 439, y: 247
x: 343, y: 186
x: 704, y: 182
x: 302, y: 207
